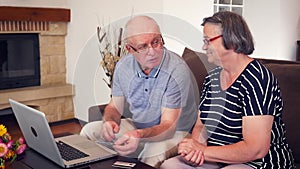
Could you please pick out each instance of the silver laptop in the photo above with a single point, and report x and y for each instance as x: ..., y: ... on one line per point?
x: 39, y: 137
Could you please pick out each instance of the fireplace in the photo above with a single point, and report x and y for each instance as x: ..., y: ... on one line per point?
x: 50, y: 93
x: 19, y: 60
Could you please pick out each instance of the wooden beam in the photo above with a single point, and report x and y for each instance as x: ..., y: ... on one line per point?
x: 34, y: 14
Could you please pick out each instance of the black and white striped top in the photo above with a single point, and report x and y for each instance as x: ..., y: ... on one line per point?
x: 255, y: 92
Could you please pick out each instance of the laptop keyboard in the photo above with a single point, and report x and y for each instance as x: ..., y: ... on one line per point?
x: 68, y: 152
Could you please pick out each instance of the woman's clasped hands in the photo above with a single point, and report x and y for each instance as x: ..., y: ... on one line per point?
x: 191, y: 151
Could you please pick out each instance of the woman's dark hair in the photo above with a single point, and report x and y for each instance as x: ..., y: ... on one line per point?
x: 235, y: 31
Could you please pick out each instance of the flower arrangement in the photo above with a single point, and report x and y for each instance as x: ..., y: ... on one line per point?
x: 111, y: 50
x: 8, y: 148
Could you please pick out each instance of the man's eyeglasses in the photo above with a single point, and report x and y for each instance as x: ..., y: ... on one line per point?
x: 206, y: 41
x: 143, y: 49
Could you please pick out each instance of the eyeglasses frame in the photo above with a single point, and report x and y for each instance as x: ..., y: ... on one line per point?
x: 137, y: 51
x: 207, y: 41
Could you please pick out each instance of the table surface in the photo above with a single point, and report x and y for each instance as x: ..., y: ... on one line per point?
x: 33, y: 160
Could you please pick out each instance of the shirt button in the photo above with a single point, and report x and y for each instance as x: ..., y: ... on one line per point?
x: 147, y: 77
x: 146, y: 90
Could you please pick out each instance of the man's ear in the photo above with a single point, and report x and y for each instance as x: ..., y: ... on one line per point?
x: 127, y: 47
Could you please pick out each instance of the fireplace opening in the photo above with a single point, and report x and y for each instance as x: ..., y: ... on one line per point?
x: 19, y: 60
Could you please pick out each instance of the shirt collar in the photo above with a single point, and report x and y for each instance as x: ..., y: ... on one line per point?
x: 154, y: 72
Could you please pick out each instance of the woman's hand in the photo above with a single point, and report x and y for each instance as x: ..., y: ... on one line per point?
x: 191, y: 151
x: 128, y: 143
x: 194, y: 158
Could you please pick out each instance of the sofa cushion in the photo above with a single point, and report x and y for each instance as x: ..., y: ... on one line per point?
x: 198, y: 64
x: 288, y: 75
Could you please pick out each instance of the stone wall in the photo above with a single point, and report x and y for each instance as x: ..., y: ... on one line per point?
x: 52, y: 54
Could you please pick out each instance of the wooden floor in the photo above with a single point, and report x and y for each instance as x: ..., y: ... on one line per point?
x: 10, y: 122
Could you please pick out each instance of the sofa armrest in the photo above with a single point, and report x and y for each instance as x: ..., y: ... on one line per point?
x: 95, y: 113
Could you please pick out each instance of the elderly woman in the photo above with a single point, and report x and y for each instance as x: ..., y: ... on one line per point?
x: 240, y: 113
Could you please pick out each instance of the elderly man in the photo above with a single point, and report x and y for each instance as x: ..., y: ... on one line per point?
x: 161, y: 93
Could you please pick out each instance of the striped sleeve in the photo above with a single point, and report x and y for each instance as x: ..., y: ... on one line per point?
x: 259, y: 91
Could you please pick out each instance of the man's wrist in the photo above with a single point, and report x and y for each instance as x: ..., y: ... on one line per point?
x: 111, y: 120
x: 139, y: 133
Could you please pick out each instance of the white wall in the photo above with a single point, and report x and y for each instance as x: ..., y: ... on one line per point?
x: 264, y: 23
x: 275, y: 25
x: 289, y: 28
x: 192, y: 11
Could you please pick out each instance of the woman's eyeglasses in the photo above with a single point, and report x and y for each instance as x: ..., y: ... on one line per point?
x: 206, y: 41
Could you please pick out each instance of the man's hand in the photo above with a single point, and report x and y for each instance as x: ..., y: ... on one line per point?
x: 108, y: 130
x: 128, y: 143
x: 191, y: 151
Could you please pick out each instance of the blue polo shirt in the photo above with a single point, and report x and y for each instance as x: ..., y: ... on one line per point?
x: 170, y: 85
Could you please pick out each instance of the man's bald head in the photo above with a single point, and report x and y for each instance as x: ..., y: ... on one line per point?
x: 141, y: 25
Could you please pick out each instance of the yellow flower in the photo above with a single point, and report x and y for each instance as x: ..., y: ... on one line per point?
x: 3, y: 130
x: 9, y: 155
